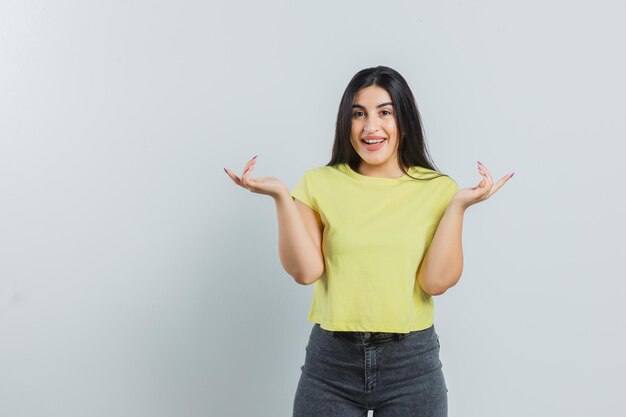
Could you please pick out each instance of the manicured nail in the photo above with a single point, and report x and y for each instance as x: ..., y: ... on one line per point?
x: 479, y: 163
x: 225, y: 170
x: 255, y: 156
x: 511, y: 174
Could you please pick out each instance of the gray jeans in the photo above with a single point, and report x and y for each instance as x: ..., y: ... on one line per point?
x: 345, y: 374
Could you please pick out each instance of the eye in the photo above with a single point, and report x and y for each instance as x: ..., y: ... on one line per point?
x: 386, y: 111
x: 356, y: 113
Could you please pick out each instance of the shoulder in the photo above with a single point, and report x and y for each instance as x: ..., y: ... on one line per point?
x: 321, y: 172
x: 439, y: 179
x: 446, y: 185
x: 447, y: 182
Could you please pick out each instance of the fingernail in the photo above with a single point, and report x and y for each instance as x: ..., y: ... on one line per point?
x: 225, y: 170
x: 255, y: 156
x: 479, y: 163
x: 511, y: 174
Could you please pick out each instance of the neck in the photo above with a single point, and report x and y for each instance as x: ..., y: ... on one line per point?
x: 369, y: 170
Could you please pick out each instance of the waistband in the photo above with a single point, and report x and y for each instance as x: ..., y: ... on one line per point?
x: 373, y: 336
x: 369, y: 335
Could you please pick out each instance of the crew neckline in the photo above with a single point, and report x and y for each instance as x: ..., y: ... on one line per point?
x: 361, y: 177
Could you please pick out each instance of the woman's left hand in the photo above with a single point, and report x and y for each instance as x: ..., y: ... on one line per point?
x: 468, y: 196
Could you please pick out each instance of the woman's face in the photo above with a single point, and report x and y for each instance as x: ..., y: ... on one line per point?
x: 373, y: 118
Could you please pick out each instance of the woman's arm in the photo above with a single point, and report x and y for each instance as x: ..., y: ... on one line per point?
x: 299, y: 227
x: 443, y: 264
x: 299, y: 239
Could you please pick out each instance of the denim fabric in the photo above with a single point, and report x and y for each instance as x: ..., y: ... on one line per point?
x: 345, y: 374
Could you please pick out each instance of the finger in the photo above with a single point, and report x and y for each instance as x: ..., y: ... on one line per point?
x: 488, y: 183
x: 481, y: 170
x: 250, y: 162
x: 484, y: 186
x: 483, y: 182
x: 480, y: 185
x: 248, y: 165
x: 487, y: 174
x: 489, y: 177
x: 247, y: 177
x: 500, y: 183
x: 232, y: 176
x: 244, y: 178
x: 227, y: 171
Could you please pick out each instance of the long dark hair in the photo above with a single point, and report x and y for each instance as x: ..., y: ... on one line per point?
x: 412, y: 149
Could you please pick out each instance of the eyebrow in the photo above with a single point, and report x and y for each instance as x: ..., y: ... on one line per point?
x: 389, y: 103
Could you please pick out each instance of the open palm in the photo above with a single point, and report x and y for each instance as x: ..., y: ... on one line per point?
x: 265, y: 185
x: 486, y: 188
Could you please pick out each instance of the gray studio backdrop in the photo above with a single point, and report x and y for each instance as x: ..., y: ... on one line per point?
x: 136, y: 279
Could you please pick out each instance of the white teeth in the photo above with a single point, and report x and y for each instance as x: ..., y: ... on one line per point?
x: 374, y: 141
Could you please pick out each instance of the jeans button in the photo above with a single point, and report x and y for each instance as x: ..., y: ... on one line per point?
x: 367, y: 335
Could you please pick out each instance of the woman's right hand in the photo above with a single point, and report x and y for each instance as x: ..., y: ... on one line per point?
x: 266, y: 185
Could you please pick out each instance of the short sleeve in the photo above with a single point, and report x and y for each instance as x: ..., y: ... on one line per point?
x: 445, y: 194
x: 303, y: 191
x: 450, y: 191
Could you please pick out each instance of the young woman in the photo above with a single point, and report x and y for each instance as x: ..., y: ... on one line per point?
x: 378, y: 232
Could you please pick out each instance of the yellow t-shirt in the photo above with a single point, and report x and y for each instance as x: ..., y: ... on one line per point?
x: 376, y: 233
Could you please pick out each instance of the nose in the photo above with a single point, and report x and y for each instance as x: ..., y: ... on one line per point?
x: 370, y: 129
